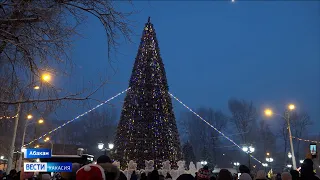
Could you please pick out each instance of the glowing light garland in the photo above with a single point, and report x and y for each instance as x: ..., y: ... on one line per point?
x: 9, y: 117
x: 211, y: 126
x: 305, y: 140
x: 83, y: 114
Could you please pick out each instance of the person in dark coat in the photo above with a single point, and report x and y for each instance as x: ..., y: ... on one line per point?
x: 224, y: 174
x: 134, y: 176
x: 154, y: 175
x: 185, y: 177
x: 295, y: 175
x: 122, y: 176
x: 307, y: 172
x: 143, y: 176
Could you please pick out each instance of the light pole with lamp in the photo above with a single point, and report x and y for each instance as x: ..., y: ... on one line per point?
x: 101, y: 147
x: 269, y: 159
x: 29, y: 117
x: 203, y: 163
x: 44, y: 77
x: 291, y: 107
x: 47, y: 139
x: 248, y: 150
x: 265, y: 165
x: 236, y: 164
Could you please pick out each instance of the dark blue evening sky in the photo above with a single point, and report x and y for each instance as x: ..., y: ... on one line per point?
x: 267, y: 52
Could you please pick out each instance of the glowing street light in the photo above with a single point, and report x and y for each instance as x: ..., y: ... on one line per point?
x: 289, y: 166
x: 36, y: 146
x: 29, y: 116
x: 236, y: 164
x: 268, y: 112
x: 47, y: 139
x: 40, y: 121
x: 2, y: 157
x: 265, y: 164
x: 301, y: 161
x: 245, y: 149
x: 36, y: 87
x: 203, y: 162
x: 289, y: 155
x: 291, y: 107
x: 100, y: 146
x: 268, y: 154
x: 46, y: 77
x: 110, y: 145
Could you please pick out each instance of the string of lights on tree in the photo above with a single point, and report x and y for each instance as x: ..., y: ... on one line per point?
x: 305, y: 140
x: 212, y: 126
x: 147, y: 128
x: 79, y: 116
x: 9, y: 117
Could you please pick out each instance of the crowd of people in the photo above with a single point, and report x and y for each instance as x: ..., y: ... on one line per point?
x: 105, y: 170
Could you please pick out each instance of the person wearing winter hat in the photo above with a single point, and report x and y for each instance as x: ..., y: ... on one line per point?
x: 91, y: 172
x: 286, y: 176
x: 244, y: 169
x: 185, y: 177
x: 203, y: 173
x: 103, y: 159
x: 245, y: 176
x: 111, y: 171
x: 224, y: 174
x: 261, y: 175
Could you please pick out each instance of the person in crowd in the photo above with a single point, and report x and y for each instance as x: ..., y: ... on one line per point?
x: 286, y: 176
x: 154, y: 175
x: 91, y: 172
x: 45, y: 177
x: 134, y: 176
x: 261, y: 175
x: 295, y: 175
x: 143, y: 176
x: 122, y: 176
x: 244, y: 169
x: 245, y: 176
x: 168, y: 177
x: 204, y: 173
x: 307, y: 172
x: 11, y: 176
x: 278, y: 176
x: 111, y: 171
x: 185, y: 177
x: 224, y: 174
x: 1, y: 174
x: 161, y: 177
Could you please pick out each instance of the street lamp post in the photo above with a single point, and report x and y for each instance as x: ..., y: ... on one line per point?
x: 291, y: 107
x: 203, y: 163
x: 269, y: 160
x: 29, y: 117
x: 236, y: 164
x: 101, y: 147
x: 248, y: 150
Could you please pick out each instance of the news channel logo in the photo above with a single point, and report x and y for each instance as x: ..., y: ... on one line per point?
x: 47, y: 167
x: 37, y: 153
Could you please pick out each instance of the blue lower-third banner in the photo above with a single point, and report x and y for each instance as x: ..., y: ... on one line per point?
x: 48, y: 167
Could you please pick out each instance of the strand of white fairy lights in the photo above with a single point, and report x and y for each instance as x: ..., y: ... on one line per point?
x: 212, y: 126
x: 9, y: 117
x: 83, y: 114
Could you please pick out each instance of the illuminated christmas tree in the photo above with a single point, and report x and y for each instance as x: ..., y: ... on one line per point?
x: 147, y: 129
